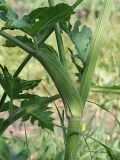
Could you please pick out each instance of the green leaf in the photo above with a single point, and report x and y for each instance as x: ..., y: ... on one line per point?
x: 42, y: 18
x: 2, y: 16
x: 17, y: 24
x: 26, y: 110
x: 22, y: 155
x: 11, y: 18
x: 24, y: 39
x: 5, y: 107
x: 82, y: 42
x: 106, y: 89
x: 37, y: 112
x: 13, y: 86
x: 37, y: 20
x: 79, y: 68
x: 2, y: 2
x: 114, y: 154
x: 80, y: 38
x: 4, y: 150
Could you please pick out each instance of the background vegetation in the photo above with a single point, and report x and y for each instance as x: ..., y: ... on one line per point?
x: 96, y: 123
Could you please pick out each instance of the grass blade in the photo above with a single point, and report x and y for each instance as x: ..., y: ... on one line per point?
x: 106, y: 89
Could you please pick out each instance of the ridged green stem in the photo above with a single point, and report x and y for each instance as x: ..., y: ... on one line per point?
x: 72, y: 140
x: 59, y: 75
x: 63, y: 83
x: 94, y: 51
x: 59, y: 39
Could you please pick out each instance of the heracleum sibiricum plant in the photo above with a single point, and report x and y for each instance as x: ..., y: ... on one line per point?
x: 37, y: 26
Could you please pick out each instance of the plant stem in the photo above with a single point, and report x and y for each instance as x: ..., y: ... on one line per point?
x: 72, y: 140
x: 76, y: 3
x: 18, y: 42
x: 94, y: 51
x: 59, y: 39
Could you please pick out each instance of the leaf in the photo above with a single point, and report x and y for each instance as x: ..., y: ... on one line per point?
x: 38, y: 112
x: 82, y: 42
x: 2, y: 2
x: 5, y: 107
x: 24, y: 39
x: 13, y: 86
x: 114, y: 154
x: 11, y: 18
x: 22, y: 155
x: 26, y: 109
x: 50, y: 49
x: 45, y: 17
x: 4, y: 150
x: 81, y: 39
x: 2, y: 16
x: 37, y: 20
x: 79, y: 68
x: 106, y: 89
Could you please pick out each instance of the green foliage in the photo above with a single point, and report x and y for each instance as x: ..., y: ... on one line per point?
x: 33, y: 107
x: 22, y: 155
x: 42, y: 18
x: 106, y: 89
x: 37, y: 112
x: 4, y: 150
x: 37, y: 20
x: 113, y: 154
x: 24, y: 39
x: 11, y: 18
x: 81, y: 39
x: 14, y: 86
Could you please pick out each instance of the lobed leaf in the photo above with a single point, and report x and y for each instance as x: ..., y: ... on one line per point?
x: 11, y: 18
x: 35, y: 111
x: 42, y: 18
x: 14, y: 86
x: 39, y: 19
x: 80, y: 38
